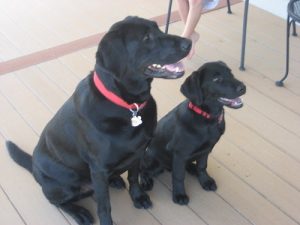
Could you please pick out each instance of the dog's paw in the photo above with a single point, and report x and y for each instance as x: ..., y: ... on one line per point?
x: 146, y: 183
x: 181, y: 199
x: 142, y: 201
x: 207, y: 183
x: 117, y: 182
x: 81, y: 215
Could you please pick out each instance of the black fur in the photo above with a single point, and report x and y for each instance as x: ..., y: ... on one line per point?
x: 90, y: 139
x: 183, y: 136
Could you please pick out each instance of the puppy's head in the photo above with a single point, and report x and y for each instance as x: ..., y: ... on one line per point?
x: 214, y: 82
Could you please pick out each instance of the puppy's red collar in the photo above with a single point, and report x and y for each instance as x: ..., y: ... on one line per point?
x: 113, y: 97
x: 206, y: 115
x: 199, y: 111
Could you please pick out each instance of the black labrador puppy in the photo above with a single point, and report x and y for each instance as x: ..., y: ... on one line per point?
x: 189, y: 132
x: 103, y: 129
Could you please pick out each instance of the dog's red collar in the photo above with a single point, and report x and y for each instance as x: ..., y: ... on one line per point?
x: 206, y: 115
x: 114, y: 98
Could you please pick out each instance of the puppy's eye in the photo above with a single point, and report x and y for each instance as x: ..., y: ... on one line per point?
x: 218, y: 79
x: 147, y: 37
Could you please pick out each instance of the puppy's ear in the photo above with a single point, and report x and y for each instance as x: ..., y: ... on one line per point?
x: 191, y: 88
x: 222, y: 63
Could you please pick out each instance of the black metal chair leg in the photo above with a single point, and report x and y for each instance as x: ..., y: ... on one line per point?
x: 280, y: 82
x: 168, y: 16
x: 243, y: 48
x: 294, y: 28
x: 229, y: 7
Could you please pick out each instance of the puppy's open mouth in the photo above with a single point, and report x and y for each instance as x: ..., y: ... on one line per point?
x: 231, y: 103
x: 170, y: 71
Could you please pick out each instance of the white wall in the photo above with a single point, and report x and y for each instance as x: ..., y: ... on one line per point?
x: 277, y: 7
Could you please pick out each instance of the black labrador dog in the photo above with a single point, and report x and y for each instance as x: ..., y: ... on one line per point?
x: 103, y: 129
x: 189, y: 132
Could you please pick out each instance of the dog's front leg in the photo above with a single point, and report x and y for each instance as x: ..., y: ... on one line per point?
x: 178, y: 173
x: 138, y: 196
x: 100, y: 184
x: 206, y: 181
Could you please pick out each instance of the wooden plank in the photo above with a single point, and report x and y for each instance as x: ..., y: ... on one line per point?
x: 280, y: 137
x: 209, y: 206
x: 60, y: 75
x: 263, y: 151
x: 23, y: 41
x: 43, y: 87
x: 244, y: 198
x: 23, y: 100
x: 8, y: 50
x: 265, y: 56
x: 8, y: 213
x: 283, y: 196
x: 124, y: 213
x: 78, y: 64
x: 169, y: 213
x: 18, y: 184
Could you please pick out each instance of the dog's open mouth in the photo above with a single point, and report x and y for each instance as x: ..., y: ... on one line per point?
x: 232, y: 103
x: 170, y: 71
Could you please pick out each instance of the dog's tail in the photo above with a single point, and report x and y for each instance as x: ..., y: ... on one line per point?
x: 19, y: 156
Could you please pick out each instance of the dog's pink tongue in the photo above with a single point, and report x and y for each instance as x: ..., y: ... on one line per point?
x: 175, y: 67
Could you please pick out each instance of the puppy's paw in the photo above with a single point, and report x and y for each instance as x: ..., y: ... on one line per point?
x: 146, y: 183
x: 209, y: 185
x: 142, y: 201
x: 207, y: 182
x: 117, y: 182
x: 181, y: 199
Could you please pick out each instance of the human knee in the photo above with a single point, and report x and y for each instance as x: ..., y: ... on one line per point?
x: 195, y: 3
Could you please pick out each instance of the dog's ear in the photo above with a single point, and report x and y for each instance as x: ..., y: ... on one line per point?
x: 111, y: 53
x: 191, y: 88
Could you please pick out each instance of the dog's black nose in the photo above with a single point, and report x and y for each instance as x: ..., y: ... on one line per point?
x: 241, y: 89
x: 186, y: 44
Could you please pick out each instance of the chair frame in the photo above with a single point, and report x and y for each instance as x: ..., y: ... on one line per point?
x: 291, y: 21
x: 170, y: 11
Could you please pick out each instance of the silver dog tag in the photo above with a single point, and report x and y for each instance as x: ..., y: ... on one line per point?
x: 136, y: 121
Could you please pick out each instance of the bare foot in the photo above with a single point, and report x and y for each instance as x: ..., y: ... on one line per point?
x: 194, y: 37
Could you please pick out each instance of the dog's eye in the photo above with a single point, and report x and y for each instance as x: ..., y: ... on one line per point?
x: 147, y: 37
x: 218, y: 79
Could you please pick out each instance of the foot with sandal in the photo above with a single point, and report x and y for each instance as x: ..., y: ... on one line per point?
x: 190, y: 12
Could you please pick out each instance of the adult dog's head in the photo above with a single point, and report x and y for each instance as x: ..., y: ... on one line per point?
x: 130, y: 47
x: 214, y: 83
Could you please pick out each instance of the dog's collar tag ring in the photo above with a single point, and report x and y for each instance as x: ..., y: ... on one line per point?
x: 135, y: 119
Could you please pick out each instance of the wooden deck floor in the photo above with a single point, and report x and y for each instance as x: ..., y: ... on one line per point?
x: 256, y: 164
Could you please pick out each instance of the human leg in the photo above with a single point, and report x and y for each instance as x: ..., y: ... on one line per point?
x: 183, y: 9
x: 194, y: 14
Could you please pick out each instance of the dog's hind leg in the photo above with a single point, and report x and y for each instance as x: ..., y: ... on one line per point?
x: 81, y: 215
x: 63, y: 196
